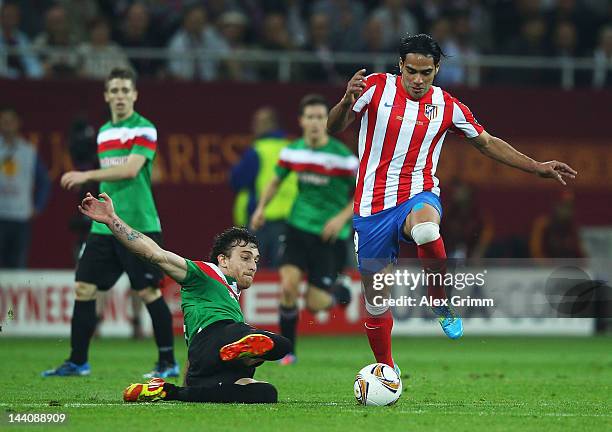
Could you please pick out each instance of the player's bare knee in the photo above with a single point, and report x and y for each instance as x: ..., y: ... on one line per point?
x: 85, y: 291
x: 149, y: 294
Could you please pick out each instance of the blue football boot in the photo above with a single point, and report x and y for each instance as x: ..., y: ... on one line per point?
x: 164, y: 370
x: 449, y: 321
x: 69, y: 369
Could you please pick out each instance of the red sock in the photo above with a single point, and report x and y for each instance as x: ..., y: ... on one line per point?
x: 433, y: 259
x: 378, y: 328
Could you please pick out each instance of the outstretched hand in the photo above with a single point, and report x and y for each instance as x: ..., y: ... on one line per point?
x: 101, y: 210
x: 355, y: 86
x: 556, y: 170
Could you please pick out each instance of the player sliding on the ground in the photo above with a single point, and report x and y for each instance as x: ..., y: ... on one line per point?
x: 223, y: 350
x: 403, y: 122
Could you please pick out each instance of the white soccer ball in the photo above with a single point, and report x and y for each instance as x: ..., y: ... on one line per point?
x: 377, y: 385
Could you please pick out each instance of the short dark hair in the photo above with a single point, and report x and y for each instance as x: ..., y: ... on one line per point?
x: 420, y: 44
x: 229, y: 239
x: 312, y: 99
x: 121, y: 73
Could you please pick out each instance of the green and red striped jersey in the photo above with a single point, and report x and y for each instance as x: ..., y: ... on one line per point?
x: 208, y: 296
x: 132, y: 198
x: 326, y: 178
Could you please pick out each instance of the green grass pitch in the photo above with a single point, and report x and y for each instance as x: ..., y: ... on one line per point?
x: 477, y: 383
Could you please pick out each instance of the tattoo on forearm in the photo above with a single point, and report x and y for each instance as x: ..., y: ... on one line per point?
x: 125, y: 233
x: 129, y: 235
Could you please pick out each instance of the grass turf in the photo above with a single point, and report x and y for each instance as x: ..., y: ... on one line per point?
x: 477, y: 383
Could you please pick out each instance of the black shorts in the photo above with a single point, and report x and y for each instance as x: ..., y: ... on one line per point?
x: 205, y: 365
x: 104, y: 260
x: 312, y: 255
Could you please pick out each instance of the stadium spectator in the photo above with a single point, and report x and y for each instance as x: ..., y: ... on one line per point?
x: 296, y: 22
x: 565, y: 46
x: 252, y: 173
x: 100, y: 55
x: 530, y: 42
x: 136, y: 32
x: 602, y: 75
x: 275, y: 33
x: 372, y: 36
x: 556, y: 235
x: 62, y: 61
x: 216, y: 8
x: 454, y: 73
x: 32, y: 15
x: 580, y: 16
x: 396, y: 21
x: 233, y: 29
x: 187, y: 48
x: 24, y: 190
x: 23, y: 64
x: 80, y: 14
x: 508, y: 16
x: 434, y: 9
x: 319, y: 43
x: 473, y: 26
x: 274, y: 37
x: 349, y: 18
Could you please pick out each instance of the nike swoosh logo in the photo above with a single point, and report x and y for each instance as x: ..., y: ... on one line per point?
x: 370, y: 328
x: 388, y: 105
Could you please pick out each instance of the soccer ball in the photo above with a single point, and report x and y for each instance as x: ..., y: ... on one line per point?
x: 377, y: 385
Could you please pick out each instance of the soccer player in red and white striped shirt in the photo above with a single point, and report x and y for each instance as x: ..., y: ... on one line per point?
x: 403, y: 122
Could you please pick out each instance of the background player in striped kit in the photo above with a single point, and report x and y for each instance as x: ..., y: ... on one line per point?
x: 318, y: 223
x: 403, y: 122
x: 126, y: 149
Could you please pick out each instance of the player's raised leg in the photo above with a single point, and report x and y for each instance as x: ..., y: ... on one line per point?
x: 423, y: 226
x: 255, y: 344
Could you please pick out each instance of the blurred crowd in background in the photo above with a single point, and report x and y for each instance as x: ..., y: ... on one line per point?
x: 93, y: 36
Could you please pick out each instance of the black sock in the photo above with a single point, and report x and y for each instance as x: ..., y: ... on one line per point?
x: 224, y: 393
x: 162, y: 329
x: 82, y: 329
x: 288, y: 323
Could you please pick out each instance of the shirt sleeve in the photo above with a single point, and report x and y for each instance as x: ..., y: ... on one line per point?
x: 464, y: 121
x: 145, y: 142
x: 194, y: 276
x: 366, y: 96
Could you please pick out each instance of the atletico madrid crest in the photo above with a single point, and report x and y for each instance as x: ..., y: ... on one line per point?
x: 431, y: 111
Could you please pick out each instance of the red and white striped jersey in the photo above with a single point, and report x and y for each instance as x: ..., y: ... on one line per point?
x: 400, y: 140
